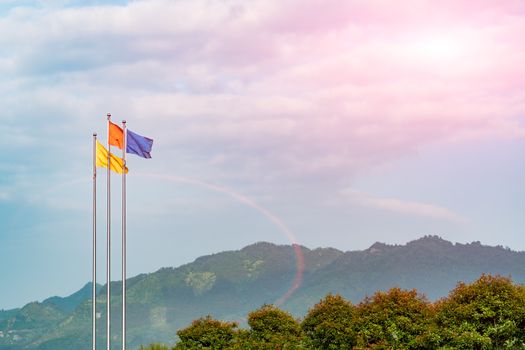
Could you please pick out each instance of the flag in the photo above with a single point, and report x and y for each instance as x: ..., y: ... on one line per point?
x: 138, y: 144
x: 117, y: 164
x: 115, y: 135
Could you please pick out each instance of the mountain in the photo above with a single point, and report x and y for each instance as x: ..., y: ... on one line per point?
x: 430, y: 264
x: 228, y: 285
x: 68, y: 304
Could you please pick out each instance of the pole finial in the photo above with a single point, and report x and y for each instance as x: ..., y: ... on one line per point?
x: 124, y: 122
x: 109, y: 116
x: 95, y: 134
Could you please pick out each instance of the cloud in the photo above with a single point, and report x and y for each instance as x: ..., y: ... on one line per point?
x: 4, y: 195
x: 299, y: 90
x: 290, y: 102
x: 403, y: 207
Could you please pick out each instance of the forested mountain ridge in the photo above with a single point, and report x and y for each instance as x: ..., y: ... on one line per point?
x: 228, y: 285
x: 430, y: 264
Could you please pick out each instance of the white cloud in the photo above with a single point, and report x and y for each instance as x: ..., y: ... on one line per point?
x: 269, y: 85
x: 4, y: 195
x: 404, y: 207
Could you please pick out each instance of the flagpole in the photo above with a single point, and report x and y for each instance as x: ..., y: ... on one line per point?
x: 124, y: 238
x: 108, y: 252
x: 94, y: 272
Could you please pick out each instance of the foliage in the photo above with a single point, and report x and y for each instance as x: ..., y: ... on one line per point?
x: 206, y: 333
x: 272, y: 328
x: 487, y: 314
x: 329, y: 325
x: 201, y: 282
x: 392, y: 320
x: 155, y: 346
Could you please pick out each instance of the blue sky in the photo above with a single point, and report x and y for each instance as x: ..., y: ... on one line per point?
x: 271, y: 123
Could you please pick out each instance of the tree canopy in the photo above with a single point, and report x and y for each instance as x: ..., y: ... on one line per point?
x: 206, y: 333
x: 487, y: 314
x: 330, y: 324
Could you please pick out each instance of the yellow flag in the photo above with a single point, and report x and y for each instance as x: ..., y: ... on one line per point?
x: 116, y: 164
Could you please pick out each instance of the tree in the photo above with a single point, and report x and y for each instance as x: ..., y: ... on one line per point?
x: 272, y: 328
x: 486, y: 314
x: 392, y: 320
x: 206, y: 333
x: 329, y: 325
x: 155, y: 346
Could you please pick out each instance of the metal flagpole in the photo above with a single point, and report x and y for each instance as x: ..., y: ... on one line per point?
x: 108, y: 252
x: 124, y: 238
x: 94, y: 272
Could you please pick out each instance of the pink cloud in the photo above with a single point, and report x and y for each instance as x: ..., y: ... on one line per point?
x: 307, y: 87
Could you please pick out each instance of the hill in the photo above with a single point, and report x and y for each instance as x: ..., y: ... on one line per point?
x: 228, y: 285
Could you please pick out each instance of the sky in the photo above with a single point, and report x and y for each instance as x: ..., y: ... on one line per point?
x: 319, y: 122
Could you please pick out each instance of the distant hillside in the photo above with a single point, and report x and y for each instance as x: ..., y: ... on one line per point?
x: 69, y: 304
x: 430, y: 264
x: 228, y: 285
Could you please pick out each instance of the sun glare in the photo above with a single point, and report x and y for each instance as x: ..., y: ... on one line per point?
x: 436, y: 49
x: 440, y: 48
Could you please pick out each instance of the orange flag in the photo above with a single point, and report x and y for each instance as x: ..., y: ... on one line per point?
x: 116, y: 135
